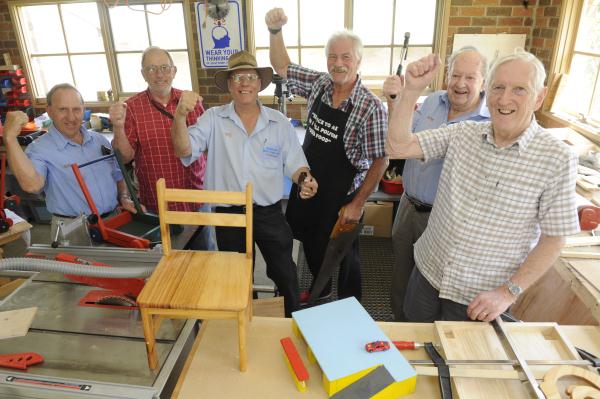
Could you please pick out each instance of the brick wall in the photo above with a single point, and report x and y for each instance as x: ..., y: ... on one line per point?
x: 538, y: 22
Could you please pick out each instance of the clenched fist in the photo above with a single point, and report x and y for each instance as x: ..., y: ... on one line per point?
x: 275, y: 18
x: 187, y: 103
x: 421, y: 72
x: 392, y: 87
x: 117, y: 113
x: 13, y: 123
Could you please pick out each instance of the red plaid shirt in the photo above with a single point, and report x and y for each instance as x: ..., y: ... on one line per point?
x: 149, y: 133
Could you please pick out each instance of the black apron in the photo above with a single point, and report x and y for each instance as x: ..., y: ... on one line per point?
x: 326, y: 155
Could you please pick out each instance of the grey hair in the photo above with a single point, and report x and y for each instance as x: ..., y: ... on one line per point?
x: 346, y: 34
x: 539, y: 72
x: 465, y: 49
x: 155, y: 48
x: 61, y: 86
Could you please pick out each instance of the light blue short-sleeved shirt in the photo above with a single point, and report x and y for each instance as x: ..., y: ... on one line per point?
x: 420, y: 179
x: 52, y: 155
x: 235, y: 157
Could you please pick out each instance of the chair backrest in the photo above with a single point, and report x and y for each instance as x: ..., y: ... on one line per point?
x: 167, y: 217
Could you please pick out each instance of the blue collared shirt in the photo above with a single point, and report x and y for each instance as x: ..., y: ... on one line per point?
x: 52, y: 155
x: 420, y: 178
x: 235, y: 157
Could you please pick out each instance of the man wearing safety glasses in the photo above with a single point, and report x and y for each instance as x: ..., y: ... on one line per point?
x: 141, y: 127
x: 248, y: 142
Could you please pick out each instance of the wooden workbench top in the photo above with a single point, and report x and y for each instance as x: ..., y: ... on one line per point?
x: 212, y: 372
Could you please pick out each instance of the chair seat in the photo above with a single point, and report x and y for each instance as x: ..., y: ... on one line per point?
x: 204, y: 280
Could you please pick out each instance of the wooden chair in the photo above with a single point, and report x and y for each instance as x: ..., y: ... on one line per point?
x: 199, y: 284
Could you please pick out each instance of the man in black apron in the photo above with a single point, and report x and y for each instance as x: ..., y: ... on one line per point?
x: 344, y: 146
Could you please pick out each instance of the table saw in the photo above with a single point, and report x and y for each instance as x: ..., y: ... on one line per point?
x: 89, y: 352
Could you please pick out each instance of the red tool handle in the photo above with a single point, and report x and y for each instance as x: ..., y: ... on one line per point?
x: 404, y: 345
x: 295, y: 361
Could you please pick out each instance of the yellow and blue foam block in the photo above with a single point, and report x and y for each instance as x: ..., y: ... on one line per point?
x: 336, y: 334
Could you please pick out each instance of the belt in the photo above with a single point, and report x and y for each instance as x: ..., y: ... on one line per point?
x: 419, y: 206
x: 241, y: 209
x: 104, y: 215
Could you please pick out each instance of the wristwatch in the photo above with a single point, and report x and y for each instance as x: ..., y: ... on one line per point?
x: 513, y: 288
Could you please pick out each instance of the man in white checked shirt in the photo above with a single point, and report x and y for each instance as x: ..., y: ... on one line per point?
x: 506, y: 197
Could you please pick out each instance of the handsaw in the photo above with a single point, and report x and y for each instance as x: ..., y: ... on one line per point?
x: 340, y: 240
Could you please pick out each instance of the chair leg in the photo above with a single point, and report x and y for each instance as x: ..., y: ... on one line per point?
x: 250, y: 308
x: 242, y: 338
x: 149, y: 336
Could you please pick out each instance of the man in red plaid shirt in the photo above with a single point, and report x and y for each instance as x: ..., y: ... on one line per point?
x: 142, y: 132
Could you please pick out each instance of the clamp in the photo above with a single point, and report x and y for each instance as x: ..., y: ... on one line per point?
x: 443, y: 370
x: 594, y: 361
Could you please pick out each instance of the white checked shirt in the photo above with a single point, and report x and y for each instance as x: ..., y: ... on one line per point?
x: 492, y: 204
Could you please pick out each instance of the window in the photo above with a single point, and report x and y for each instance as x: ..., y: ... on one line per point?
x: 381, y: 25
x: 578, y: 94
x: 98, y: 48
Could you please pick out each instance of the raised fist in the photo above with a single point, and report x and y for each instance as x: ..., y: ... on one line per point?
x: 13, y: 123
x: 187, y: 103
x: 276, y: 18
x: 421, y: 72
x: 117, y: 113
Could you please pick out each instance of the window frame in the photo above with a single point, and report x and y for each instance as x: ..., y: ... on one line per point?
x: 109, y: 51
x: 438, y: 44
x: 562, y: 57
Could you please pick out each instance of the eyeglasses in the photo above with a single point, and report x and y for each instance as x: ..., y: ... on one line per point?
x: 244, y: 77
x: 152, y: 69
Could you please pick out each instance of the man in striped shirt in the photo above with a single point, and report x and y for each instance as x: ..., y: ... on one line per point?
x: 506, y: 196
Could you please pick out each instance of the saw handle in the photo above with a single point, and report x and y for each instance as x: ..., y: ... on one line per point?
x: 342, y: 228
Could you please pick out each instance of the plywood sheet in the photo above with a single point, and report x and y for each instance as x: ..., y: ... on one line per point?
x: 589, y: 270
x: 477, y: 341
x: 15, y: 323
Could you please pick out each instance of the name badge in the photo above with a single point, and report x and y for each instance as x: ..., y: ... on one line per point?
x: 271, y: 151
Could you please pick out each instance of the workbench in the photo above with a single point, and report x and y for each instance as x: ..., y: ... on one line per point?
x: 211, y: 369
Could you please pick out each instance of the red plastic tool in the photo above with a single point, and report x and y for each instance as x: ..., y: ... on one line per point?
x: 130, y: 287
x: 295, y: 363
x: 407, y: 345
x: 108, y: 229
x: 20, y: 361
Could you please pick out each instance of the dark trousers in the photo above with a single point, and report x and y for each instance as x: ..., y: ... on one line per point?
x: 424, y: 305
x: 409, y: 225
x: 349, y: 278
x: 273, y: 236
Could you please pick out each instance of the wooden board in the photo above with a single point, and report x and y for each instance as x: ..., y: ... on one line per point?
x: 8, y: 288
x: 552, y: 298
x: 477, y: 341
x: 589, y: 270
x: 14, y: 232
x: 582, y: 241
x: 584, y: 277
x: 15, y: 323
x: 536, y: 341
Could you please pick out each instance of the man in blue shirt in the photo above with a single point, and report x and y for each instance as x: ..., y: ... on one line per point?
x: 45, y: 165
x: 463, y: 100
x: 248, y: 142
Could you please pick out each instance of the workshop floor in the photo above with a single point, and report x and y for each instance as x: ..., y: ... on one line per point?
x: 376, y: 260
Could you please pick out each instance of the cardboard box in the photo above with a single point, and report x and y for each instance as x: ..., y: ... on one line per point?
x: 378, y: 219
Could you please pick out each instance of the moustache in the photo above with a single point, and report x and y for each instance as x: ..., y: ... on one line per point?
x: 340, y: 69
